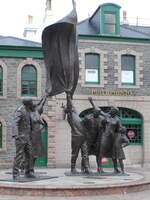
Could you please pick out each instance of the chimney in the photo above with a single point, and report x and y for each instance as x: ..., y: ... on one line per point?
x: 30, y: 19
x: 125, y: 17
x: 30, y: 30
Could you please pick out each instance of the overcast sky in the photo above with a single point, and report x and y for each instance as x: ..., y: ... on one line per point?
x: 13, y: 13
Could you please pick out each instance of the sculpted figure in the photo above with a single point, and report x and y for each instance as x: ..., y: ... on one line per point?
x: 95, y: 125
x: 120, y: 142
x: 108, y: 137
x: 78, y: 137
x: 112, y: 127
x: 37, y: 124
x: 22, y: 134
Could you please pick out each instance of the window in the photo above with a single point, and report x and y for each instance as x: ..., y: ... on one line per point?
x: 131, y: 119
x: 1, y: 81
x: 110, y: 19
x: 0, y: 135
x: 128, y: 70
x: 92, y: 62
x: 109, y: 23
x: 29, y: 81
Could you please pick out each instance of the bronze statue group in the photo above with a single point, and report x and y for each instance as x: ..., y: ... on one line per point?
x: 100, y: 134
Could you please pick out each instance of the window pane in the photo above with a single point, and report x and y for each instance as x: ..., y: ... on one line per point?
x: 29, y: 72
x: 128, y: 69
x: 109, y: 28
x: 91, y: 61
x: 91, y: 75
x: 29, y: 80
x: 33, y: 88
x: 25, y: 88
x: 110, y: 18
x: 109, y: 23
x: 127, y: 62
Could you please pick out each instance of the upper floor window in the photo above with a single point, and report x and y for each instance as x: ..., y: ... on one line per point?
x: 109, y: 23
x: 109, y: 19
x: 29, y: 81
x: 1, y: 81
x: 128, y: 70
x: 92, y: 68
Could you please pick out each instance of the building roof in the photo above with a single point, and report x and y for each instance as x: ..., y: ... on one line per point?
x: 92, y: 27
x: 13, y: 41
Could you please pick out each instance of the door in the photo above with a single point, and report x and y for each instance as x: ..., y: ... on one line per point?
x: 42, y: 160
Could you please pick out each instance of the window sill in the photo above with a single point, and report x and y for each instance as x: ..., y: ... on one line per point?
x: 3, y: 150
x: 3, y: 97
x: 92, y: 85
x: 129, y: 86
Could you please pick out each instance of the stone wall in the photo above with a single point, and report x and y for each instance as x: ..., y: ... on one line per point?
x: 12, y: 100
x: 59, y: 136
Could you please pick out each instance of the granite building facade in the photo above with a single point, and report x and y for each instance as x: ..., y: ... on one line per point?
x: 114, y: 70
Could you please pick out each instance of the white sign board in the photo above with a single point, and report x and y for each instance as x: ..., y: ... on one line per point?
x: 91, y: 75
x: 127, y: 77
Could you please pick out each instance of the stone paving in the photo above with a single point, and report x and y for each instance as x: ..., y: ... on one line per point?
x: 61, y: 181
x: 135, y: 175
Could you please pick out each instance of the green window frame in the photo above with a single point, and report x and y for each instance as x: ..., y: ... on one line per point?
x: 1, y: 134
x: 1, y: 81
x: 110, y: 23
x: 29, y: 81
x: 128, y: 69
x: 131, y: 119
x: 110, y: 19
x: 92, y: 68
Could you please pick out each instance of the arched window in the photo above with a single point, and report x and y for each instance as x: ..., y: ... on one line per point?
x: 92, y: 68
x: 128, y: 69
x: 1, y: 128
x: 131, y: 119
x: 1, y: 81
x: 29, y: 81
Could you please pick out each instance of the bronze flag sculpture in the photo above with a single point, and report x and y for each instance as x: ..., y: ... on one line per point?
x: 59, y: 43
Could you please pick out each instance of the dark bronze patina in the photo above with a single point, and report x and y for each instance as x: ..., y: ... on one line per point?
x: 107, y: 136
x: 27, y: 126
x: 60, y: 48
x: 22, y: 134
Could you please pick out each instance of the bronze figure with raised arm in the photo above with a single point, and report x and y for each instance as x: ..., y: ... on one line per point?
x: 78, y: 137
